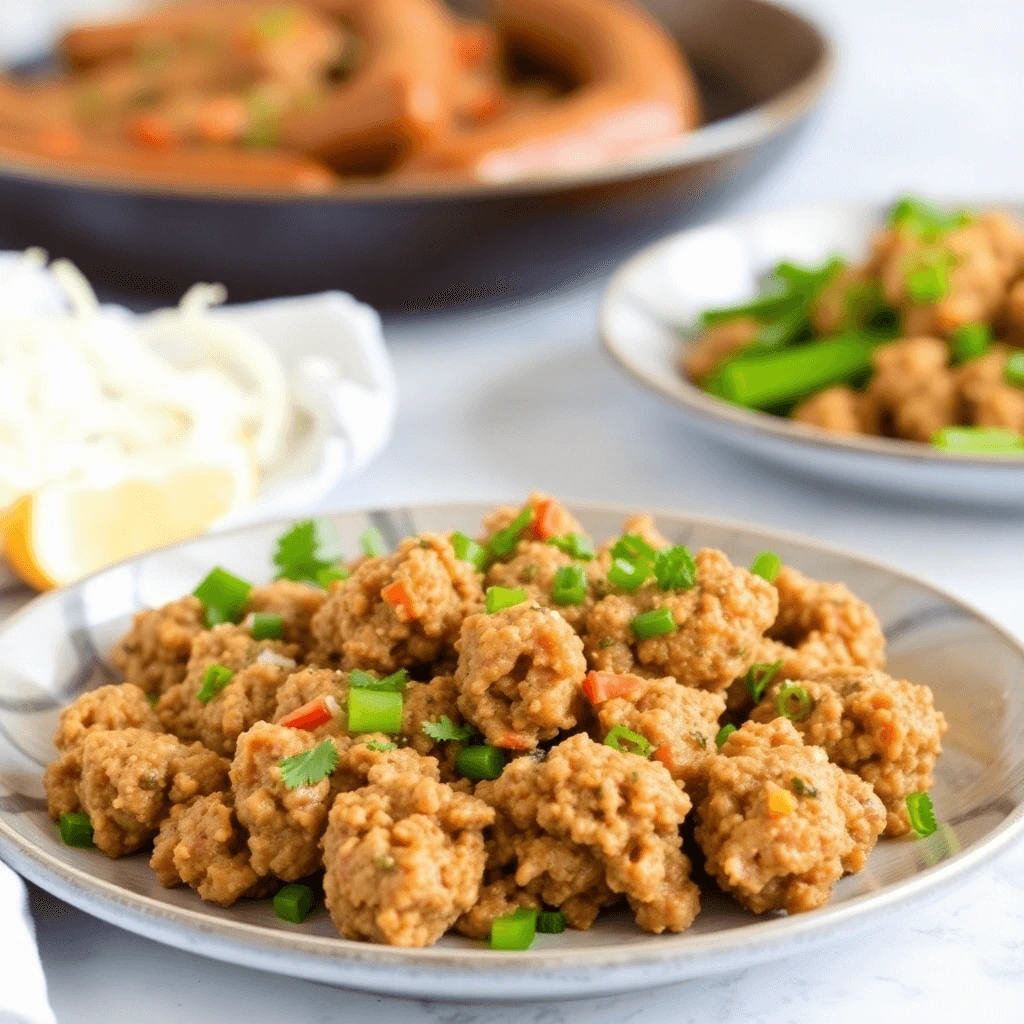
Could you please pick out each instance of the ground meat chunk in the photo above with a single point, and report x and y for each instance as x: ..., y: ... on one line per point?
x: 551, y: 519
x: 104, y: 709
x: 719, y: 622
x: 154, y: 653
x: 820, y: 627
x: 296, y: 603
x: 533, y: 569
x: 429, y: 593
x: 201, y: 844
x: 284, y: 825
x: 429, y: 702
x: 913, y: 390
x: 589, y: 821
x: 885, y: 730
x: 306, y: 685
x: 404, y: 857
x: 774, y: 843
x: 519, y: 675
x: 840, y: 409
x: 701, y: 357
x: 986, y: 397
x: 679, y: 721
x: 496, y: 899
x: 127, y: 781
x: 259, y: 666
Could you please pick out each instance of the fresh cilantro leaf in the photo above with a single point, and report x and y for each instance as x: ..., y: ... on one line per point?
x: 309, y: 767
x: 381, y: 748
x: 446, y: 729
x: 675, y: 568
x: 394, y: 683
x: 306, y: 550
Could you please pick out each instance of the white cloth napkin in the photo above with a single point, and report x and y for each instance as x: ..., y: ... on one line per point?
x: 22, y: 985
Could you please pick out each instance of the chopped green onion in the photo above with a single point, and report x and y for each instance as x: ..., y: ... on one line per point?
x: 758, y: 677
x: 723, y: 734
x: 794, y: 702
x: 331, y: 574
x: 480, y: 762
x: 969, y: 341
x: 779, y: 333
x: 498, y: 598
x: 504, y: 542
x: 75, y: 829
x: 306, y: 550
x: 628, y: 576
x: 293, y: 903
x: 775, y: 379
x: 659, y: 622
x: 921, y: 814
x: 675, y: 569
x: 309, y: 767
x: 979, y: 440
x: 551, y: 922
x: 381, y: 748
x: 766, y: 564
x: 633, y: 548
x: 575, y: 545
x: 223, y: 595
x: 394, y: 683
x: 445, y: 729
x: 266, y: 626
x: 215, y: 678
x: 1014, y: 372
x: 802, y: 788
x: 628, y: 742
x: 924, y: 220
x: 514, y: 931
x: 928, y: 283
x: 468, y: 550
x: 569, y: 585
x: 371, y: 543
x: 374, y: 710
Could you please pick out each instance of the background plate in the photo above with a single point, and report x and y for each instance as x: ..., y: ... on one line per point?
x: 55, y: 648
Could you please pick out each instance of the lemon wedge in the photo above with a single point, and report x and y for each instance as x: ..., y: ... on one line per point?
x: 65, y: 530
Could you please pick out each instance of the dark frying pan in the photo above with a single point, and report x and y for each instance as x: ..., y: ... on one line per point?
x: 760, y: 68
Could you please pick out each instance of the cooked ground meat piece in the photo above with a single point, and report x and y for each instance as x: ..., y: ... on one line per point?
x: 259, y: 666
x: 429, y: 593
x: 404, y: 856
x: 885, y: 730
x: 820, y: 627
x: 127, y: 780
x: 519, y: 675
x: 778, y: 844
x: 679, y: 721
x: 296, y: 603
x: 201, y: 844
x: 716, y: 344
x: 104, y: 709
x: 496, y: 899
x: 154, y: 653
x: 429, y: 702
x: 587, y: 805
x: 987, y: 399
x: 913, y: 389
x: 284, y: 825
x: 551, y: 519
x: 840, y: 409
x: 719, y: 621
x: 306, y: 685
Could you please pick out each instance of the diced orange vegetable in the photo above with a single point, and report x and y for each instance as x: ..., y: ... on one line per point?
x: 545, y: 519
x: 311, y: 715
x: 881, y: 702
x: 602, y: 686
x: 780, y: 803
x: 152, y: 130
x: 888, y: 736
x: 399, y: 597
x: 514, y: 741
x: 664, y: 755
x: 474, y: 44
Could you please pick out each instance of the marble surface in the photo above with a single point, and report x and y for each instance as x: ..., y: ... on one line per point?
x: 496, y: 402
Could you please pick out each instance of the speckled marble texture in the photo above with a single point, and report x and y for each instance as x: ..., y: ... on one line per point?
x: 927, y: 94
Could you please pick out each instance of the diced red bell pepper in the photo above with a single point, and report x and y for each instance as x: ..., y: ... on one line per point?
x: 312, y: 714
x: 514, y: 741
x: 602, y: 686
x: 397, y: 595
x: 545, y: 519
x: 664, y: 755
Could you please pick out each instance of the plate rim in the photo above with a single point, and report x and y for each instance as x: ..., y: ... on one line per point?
x: 333, y: 959
x: 694, y: 402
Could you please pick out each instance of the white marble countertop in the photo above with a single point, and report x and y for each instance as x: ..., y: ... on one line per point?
x: 495, y: 403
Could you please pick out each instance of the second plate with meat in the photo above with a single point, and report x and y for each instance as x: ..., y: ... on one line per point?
x: 588, y: 694
x: 951, y: 285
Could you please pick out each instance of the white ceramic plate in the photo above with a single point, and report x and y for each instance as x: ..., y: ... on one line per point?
x: 662, y: 289
x: 55, y: 648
